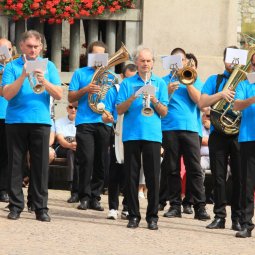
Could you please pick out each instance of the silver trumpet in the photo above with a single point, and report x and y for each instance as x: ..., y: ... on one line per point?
x: 36, y: 86
x: 147, y: 110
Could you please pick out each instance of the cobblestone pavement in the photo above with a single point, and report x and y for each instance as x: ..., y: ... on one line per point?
x: 72, y: 231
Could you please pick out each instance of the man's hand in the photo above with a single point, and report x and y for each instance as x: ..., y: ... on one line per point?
x: 73, y: 146
x: 107, y: 118
x: 93, y: 88
x: 228, y: 95
x: 173, y: 86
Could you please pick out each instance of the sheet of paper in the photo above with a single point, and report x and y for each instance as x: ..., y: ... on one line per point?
x: 4, y: 52
x: 236, y: 56
x: 97, y: 59
x: 38, y: 64
x: 251, y: 77
x: 172, y: 62
x: 149, y: 89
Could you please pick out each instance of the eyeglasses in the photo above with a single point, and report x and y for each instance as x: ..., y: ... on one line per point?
x: 71, y: 107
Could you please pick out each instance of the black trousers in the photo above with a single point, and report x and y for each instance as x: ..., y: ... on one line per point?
x: 221, y: 147
x: 248, y: 183
x: 175, y: 144
x: 188, y: 200
x: 72, y: 164
x: 117, y: 180
x: 92, y: 145
x: 3, y: 157
x: 35, y: 139
x: 150, y: 152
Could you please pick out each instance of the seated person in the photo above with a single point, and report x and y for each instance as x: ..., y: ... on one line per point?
x: 65, y: 137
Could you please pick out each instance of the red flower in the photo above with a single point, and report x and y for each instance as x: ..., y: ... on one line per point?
x: 53, y: 10
x: 100, y: 9
x: 19, y: 6
x: 112, y: 9
x: 34, y: 6
x: 43, y: 12
x: 51, y: 21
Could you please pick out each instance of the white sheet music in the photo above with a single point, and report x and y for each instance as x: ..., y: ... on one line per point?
x: 149, y: 89
x: 251, y: 77
x: 38, y: 64
x: 236, y: 56
x: 4, y: 52
x: 97, y: 59
x: 172, y: 62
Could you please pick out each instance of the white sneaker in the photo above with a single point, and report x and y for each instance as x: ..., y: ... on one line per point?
x: 124, y: 215
x: 112, y: 214
x: 141, y: 195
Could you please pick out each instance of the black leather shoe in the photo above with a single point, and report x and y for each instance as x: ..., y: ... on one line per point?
x: 73, y: 199
x: 4, y: 197
x: 173, y: 213
x: 236, y: 226
x: 133, y: 223
x: 13, y: 215
x: 161, y: 207
x: 153, y: 225
x: 217, y: 223
x: 187, y: 209
x: 84, y: 205
x: 244, y: 233
x: 95, y: 205
x: 43, y: 216
x: 201, y: 214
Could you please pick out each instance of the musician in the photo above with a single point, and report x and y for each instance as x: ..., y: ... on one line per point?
x: 65, y: 136
x: 28, y: 125
x: 116, y: 170
x: 180, y: 136
x: 92, y: 135
x: 221, y: 147
x: 3, y: 148
x: 244, y: 101
x: 144, y: 138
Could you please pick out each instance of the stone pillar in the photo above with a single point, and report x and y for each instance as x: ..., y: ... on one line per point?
x: 20, y: 28
x: 92, y: 31
x: 111, y: 36
x: 3, y: 26
x: 74, y: 60
x: 56, y: 45
x: 132, y: 35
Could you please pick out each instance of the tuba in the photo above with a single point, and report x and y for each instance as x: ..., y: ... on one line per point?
x: 223, y: 118
x: 101, y: 78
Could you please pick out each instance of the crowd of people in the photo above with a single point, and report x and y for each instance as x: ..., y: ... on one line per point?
x: 158, y: 130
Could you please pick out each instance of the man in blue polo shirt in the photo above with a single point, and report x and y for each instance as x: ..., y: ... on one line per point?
x: 28, y: 125
x: 180, y: 136
x: 221, y: 148
x: 3, y: 148
x: 92, y: 135
x: 245, y: 102
x: 142, y: 135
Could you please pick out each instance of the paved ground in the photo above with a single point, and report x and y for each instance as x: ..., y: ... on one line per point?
x: 89, y: 232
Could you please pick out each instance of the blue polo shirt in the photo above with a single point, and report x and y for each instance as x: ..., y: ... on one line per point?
x: 110, y: 102
x: 244, y: 91
x: 26, y: 106
x: 3, y: 101
x: 209, y: 87
x: 135, y: 125
x: 81, y: 78
x: 182, y: 111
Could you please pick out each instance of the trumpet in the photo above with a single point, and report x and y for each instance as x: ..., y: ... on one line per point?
x: 147, y: 110
x: 36, y: 86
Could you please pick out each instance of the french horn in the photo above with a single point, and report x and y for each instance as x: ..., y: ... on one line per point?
x: 102, y: 77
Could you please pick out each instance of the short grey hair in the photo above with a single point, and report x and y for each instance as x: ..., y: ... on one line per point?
x: 142, y: 48
x: 32, y: 33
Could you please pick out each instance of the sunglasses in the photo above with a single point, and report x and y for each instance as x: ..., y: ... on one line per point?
x: 71, y: 107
